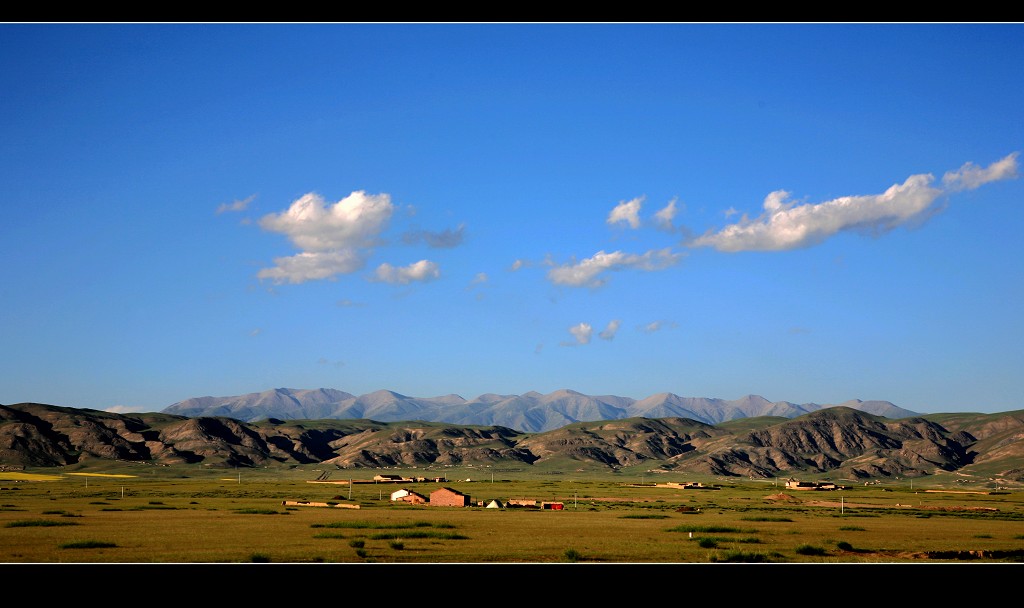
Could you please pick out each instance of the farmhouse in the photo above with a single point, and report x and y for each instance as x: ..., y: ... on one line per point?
x: 389, y: 478
x: 405, y: 495
x: 447, y: 497
x: 793, y: 484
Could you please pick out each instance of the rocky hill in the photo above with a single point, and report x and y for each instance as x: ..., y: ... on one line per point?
x: 531, y: 412
x: 839, y: 441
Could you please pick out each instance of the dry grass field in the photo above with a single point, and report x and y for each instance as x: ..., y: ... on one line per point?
x: 195, y: 516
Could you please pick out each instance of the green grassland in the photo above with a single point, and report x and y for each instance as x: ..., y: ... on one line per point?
x: 139, y: 514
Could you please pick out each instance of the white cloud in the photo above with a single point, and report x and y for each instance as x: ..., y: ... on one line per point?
x: 609, y: 332
x: 256, y: 331
x: 347, y: 303
x: 445, y: 239
x: 480, y: 278
x: 329, y: 236
x: 665, y: 216
x: 627, y: 211
x: 238, y: 205
x: 970, y: 176
x: 656, y: 326
x: 585, y: 273
x: 312, y: 225
x: 516, y: 265
x: 424, y: 271
x: 309, y: 266
x: 786, y: 225
x: 479, y: 281
x: 581, y: 332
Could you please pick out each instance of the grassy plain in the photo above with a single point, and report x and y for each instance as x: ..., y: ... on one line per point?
x: 141, y: 514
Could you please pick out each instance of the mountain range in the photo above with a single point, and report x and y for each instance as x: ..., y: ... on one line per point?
x: 837, y: 441
x: 531, y: 412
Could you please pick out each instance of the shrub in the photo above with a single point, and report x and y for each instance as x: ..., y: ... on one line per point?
x: 259, y: 558
x: 707, y: 543
x: 27, y: 523
x: 572, y: 555
x: 844, y: 546
x: 810, y: 550
x: 356, y: 544
x: 397, y: 545
x: 361, y: 552
x: 87, y: 544
x: 739, y: 556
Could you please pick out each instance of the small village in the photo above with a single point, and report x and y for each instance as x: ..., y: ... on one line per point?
x: 449, y: 497
x: 442, y: 497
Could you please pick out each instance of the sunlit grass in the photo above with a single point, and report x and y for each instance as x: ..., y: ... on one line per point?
x: 160, y: 519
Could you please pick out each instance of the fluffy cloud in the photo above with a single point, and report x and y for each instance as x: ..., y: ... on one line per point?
x: 329, y: 236
x: 787, y: 225
x: 609, y: 332
x: 665, y: 216
x: 238, y: 205
x: 581, y: 332
x: 424, y: 271
x: 627, y: 211
x: 443, y: 240
x: 970, y: 176
x: 586, y: 272
x: 312, y: 225
x: 309, y: 266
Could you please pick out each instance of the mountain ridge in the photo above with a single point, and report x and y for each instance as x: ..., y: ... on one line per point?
x: 836, y: 441
x: 530, y: 412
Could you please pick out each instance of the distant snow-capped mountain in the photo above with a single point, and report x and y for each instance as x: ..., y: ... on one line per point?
x: 530, y: 412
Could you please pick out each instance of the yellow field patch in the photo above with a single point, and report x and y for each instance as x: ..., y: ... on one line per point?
x: 18, y: 476
x: 101, y: 475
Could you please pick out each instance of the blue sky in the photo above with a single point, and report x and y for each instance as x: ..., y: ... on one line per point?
x: 807, y: 212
